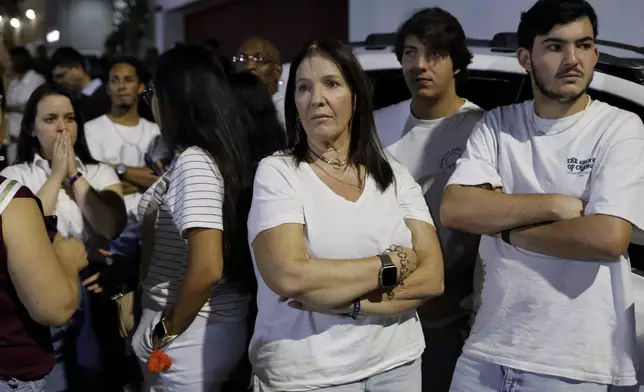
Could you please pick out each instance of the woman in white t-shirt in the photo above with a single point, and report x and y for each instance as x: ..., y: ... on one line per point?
x: 344, y: 245
x: 54, y: 163
x: 197, y: 270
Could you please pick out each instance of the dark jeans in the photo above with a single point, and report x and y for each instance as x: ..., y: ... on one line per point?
x: 443, y: 347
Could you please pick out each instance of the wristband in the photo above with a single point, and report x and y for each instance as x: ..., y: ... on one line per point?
x: 505, y: 236
x: 72, y: 180
x: 356, y: 310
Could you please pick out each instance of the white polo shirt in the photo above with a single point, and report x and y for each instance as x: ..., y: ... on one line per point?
x: 292, y: 350
x: 114, y: 143
x: 70, y: 217
x: 540, y: 314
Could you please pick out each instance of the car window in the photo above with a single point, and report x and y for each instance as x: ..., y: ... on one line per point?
x: 388, y: 87
x: 488, y: 89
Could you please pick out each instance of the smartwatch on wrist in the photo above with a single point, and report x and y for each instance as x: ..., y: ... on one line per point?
x: 388, y: 276
x: 120, y: 170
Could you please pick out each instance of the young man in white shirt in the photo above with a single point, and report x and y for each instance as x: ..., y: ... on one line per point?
x: 553, y: 185
x: 428, y: 134
x: 122, y: 139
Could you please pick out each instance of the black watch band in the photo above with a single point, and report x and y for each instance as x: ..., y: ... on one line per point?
x: 505, y: 236
x: 388, y: 277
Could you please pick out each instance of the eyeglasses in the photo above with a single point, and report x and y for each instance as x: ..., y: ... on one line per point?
x: 243, y: 59
x: 148, y: 94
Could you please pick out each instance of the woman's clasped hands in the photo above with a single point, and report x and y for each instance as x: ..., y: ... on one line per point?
x: 63, y: 162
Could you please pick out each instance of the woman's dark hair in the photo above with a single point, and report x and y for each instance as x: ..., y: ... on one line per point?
x: 28, y: 144
x: 197, y: 108
x: 546, y: 14
x: 439, y: 31
x: 364, y: 148
x: 21, y: 60
x: 263, y: 128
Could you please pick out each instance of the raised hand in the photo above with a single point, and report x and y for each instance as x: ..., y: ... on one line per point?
x: 72, y: 167
x: 60, y: 158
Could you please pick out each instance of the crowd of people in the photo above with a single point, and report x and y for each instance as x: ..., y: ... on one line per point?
x: 192, y: 228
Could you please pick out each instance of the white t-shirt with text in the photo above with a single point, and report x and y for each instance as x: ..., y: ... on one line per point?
x: 293, y: 350
x: 571, y: 319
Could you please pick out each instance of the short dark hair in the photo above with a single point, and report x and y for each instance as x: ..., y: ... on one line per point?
x: 197, y: 108
x: 260, y: 116
x: 21, y: 59
x: 365, y: 147
x: 28, y: 144
x: 141, y: 71
x: 68, y: 57
x: 439, y: 30
x: 546, y: 14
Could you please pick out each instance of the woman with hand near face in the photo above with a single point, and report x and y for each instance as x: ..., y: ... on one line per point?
x: 343, y: 243
x: 55, y: 164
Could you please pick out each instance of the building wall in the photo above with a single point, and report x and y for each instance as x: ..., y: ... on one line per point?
x: 483, y: 18
x: 83, y: 24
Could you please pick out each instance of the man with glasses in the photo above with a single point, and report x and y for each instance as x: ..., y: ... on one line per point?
x: 260, y: 57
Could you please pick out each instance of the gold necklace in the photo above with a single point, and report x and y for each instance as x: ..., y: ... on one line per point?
x: 335, y: 163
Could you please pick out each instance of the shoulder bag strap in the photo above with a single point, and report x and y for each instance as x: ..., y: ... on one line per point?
x: 8, y: 190
x: 149, y: 223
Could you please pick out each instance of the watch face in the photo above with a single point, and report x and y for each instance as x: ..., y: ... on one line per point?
x: 389, y: 276
x: 121, y: 169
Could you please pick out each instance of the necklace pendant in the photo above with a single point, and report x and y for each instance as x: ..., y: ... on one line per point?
x: 336, y: 164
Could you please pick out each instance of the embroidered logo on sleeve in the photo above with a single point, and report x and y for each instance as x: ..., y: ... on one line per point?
x: 448, y: 161
x: 579, y: 166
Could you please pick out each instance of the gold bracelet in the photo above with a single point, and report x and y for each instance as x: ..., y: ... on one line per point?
x: 404, y: 262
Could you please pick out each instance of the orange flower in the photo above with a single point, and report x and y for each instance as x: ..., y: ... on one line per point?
x: 159, y: 362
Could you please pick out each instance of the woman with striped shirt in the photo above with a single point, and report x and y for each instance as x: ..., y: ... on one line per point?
x: 198, y: 272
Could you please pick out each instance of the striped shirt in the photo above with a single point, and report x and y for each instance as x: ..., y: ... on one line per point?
x: 194, y: 200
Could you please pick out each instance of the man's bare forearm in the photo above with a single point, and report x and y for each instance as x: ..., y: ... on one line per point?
x: 484, y: 211
x: 105, y: 211
x: 588, y: 238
